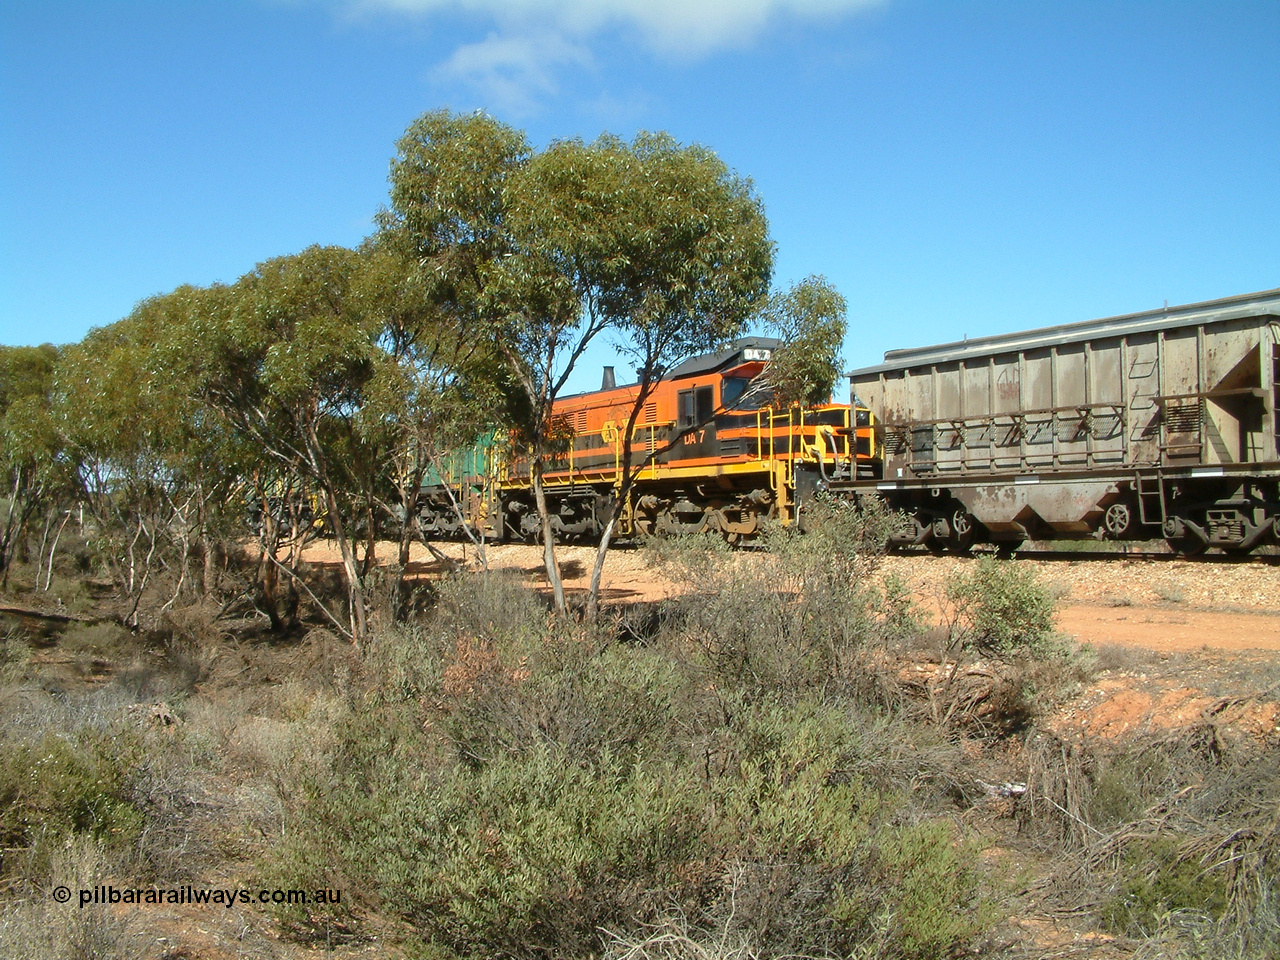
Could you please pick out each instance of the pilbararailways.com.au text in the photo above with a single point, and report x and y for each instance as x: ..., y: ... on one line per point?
x: 230, y: 897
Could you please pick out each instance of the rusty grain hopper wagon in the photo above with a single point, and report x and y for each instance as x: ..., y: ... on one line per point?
x: 1158, y: 424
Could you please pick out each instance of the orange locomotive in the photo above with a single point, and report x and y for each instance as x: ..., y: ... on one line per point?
x: 712, y: 453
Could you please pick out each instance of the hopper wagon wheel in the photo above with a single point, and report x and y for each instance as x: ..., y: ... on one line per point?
x: 1186, y: 546
x: 1181, y: 541
x: 964, y: 531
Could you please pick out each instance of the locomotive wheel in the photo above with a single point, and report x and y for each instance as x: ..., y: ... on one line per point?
x: 1118, y: 520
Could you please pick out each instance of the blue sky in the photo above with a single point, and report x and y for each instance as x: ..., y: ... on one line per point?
x: 956, y: 169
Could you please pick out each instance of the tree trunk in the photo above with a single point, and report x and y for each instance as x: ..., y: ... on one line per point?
x: 548, y: 538
x: 371, y: 542
x: 597, y: 571
x: 350, y: 569
x: 267, y: 576
x: 408, y: 531
x: 209, y: 580
x: 629, y: 473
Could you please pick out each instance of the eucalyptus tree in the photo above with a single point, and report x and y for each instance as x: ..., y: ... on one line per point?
x: 285, y: 358
x: 810, y: 321
x: 29, y: 448
x: 659, y: 244
x: 433, y: 389
x: 467, y: 207
x: 546, y: 251
x: 149, y: 463
x: 448, y: 218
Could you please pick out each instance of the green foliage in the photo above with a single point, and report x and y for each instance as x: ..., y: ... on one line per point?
x: 447, y: 202
x: 284, y: 359
x: 1157, y: 879
x: 26, y: 381
x: 509, y: 677
x: 837, y: 539
x: 15, y: 654
x: 153, y: 465
x: 297, y: 327
x: 929, y: 906
x: 539, y: 852
x: 513, y: 786
x: 31, y: 469
x: 687, y: 557
x: 662, y: 242
x: 1003, y: 608
x: 57, y: 788
x: 810, y: 320
x: 36, y: 927
x: 542, y: 252
x: 805, y: 614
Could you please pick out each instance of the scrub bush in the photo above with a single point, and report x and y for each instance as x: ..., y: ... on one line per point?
x: 36, y: 927
x: 1158, y: 879
x: 1002, y: 608
x: 58, y: 788
x: 516, y: 785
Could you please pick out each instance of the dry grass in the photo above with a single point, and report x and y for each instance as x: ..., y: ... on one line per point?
x: 34, y: 926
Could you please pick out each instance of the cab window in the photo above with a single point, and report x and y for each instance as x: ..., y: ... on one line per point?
x: 736, y: 394
x: 696, y: 406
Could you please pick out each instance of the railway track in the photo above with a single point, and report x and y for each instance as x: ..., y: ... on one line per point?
x: 1075, y: 550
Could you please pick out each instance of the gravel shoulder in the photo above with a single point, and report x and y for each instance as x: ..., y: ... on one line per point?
x: 1161, y: 605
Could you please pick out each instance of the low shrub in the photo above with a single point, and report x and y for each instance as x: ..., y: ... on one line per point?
x: 15, y: 656
x: 529, y: 787
x: 1002, y: 608
x: 36, y: 927
x: 778, y: 627
x: 824, y: 862
x: 1158, y: 878
x: 837, y: 539
x: 57, y: 788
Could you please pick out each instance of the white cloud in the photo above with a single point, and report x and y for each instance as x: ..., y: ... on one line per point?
x: 513, y: 72
x: 516, y: 66
x: 681, y: 27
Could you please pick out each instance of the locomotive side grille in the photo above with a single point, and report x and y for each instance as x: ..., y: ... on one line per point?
x: 651, y: 412
x: 895, y: 442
